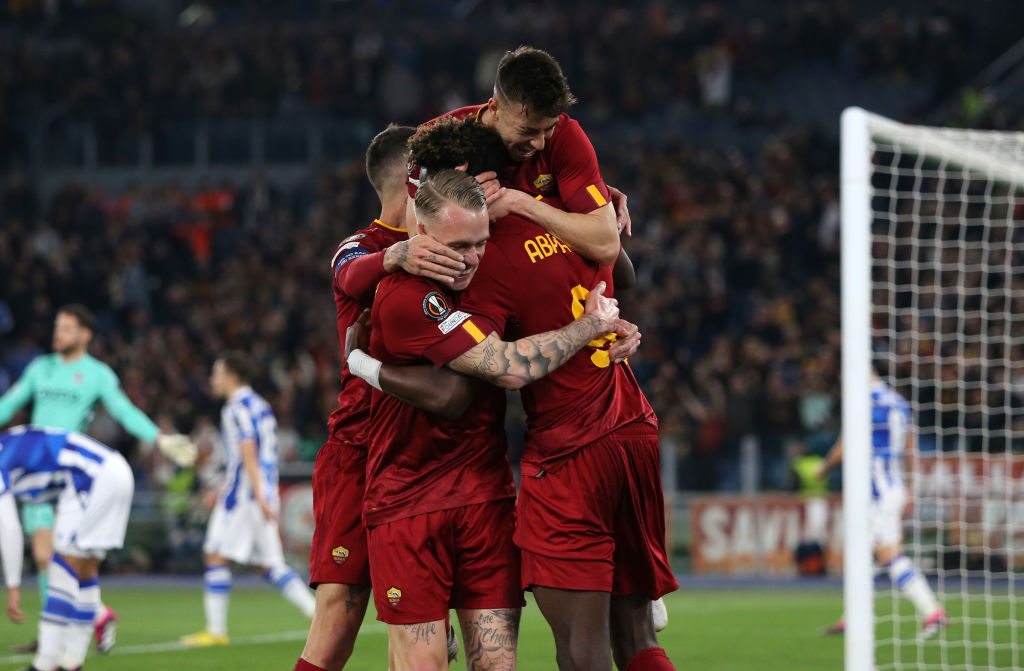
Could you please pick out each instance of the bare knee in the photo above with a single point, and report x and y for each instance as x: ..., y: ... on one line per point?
x: 336, y: 620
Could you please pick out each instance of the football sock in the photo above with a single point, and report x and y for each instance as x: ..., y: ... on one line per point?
x: 80, y: 626
x: 216, y: 594
x: 291, y: 587
x: 61, y: 597
x: 650, y: 659
x: 303, y: 665
x: 913, y: 585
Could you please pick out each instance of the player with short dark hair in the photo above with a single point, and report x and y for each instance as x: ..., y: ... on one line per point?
x: 551, y: 156
x: 243, y: 525
x: 339, y: 559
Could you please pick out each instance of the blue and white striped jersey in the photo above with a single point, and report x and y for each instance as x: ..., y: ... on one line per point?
x: 246, y: 416
x: 37, y: 463
x: 890, y: 421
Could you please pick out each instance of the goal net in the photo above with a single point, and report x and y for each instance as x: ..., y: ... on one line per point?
x: 933, y: 296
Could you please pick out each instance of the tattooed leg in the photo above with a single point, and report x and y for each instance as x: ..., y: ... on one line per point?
x: 420, y: 647
x: 489, y: 638
x: 332, y: 633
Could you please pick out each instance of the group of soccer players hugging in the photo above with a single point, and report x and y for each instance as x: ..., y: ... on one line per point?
x: 414, y: 498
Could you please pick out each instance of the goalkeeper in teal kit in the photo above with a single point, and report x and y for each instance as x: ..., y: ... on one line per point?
x: 63, y: 388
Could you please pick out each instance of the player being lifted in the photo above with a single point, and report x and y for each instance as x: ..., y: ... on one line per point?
x: 590, y: 431
x: 439, y: 492
x: 892, y: 442
x: 550, y: 155
x: 243, y: 525
x: 92, y: 486
x: 64, y: 388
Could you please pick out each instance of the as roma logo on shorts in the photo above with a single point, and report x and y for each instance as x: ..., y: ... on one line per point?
x: 543, y: 183
x: 394, y: 596
x: 436, y: 306
x: 339, y: 555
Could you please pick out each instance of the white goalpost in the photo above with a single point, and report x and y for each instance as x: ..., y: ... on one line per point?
x: 932, y: 273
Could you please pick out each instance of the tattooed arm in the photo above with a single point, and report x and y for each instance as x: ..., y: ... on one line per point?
x: 419, y: 255
x: 514, y: 365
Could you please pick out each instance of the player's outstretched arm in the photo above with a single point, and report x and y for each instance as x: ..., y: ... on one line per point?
x: 832, y: 459
x: 418, y: 255
x: 125, y: 412
x: 12, y: 545
x: 594, y: 235
x: 435, y: 390
x: 514, y: 365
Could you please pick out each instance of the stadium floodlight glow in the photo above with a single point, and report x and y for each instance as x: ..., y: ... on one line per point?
x: 933, y: 295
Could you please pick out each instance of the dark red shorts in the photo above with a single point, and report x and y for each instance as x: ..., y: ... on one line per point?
x: 597, y: 521
x: 457, y: 558
x: 339, y: 552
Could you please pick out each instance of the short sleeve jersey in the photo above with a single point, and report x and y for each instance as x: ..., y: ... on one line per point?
x: 890, y: 422
x: 566, y: 168
x: 418, y: 462
x: 349, y: 422
x: 529, y: 282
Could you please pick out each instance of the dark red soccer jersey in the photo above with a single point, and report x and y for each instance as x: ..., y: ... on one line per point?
x: 566, y: 168
x: 419, y: 462
x: 529, y: 282
x: 348, y: 423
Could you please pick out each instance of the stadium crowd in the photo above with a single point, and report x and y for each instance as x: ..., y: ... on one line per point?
x: 736, y: 251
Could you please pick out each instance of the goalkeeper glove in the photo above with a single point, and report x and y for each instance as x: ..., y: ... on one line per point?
x: 178, y: 447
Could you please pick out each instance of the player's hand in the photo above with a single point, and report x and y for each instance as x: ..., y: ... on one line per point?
x: 269, y: 513
x: 621, y: 211
x: 357, y: 336
x: 491, y: 186
x: 627, y: 342
x: 821, y: 473
x: 14, y: 611
x: 422, y: 255
x: 605, y: 309
x: 178, y: 447
x: 502, y: 203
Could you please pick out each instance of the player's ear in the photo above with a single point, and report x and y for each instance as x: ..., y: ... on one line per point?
x: 492, y: 105
x: 463, y: 168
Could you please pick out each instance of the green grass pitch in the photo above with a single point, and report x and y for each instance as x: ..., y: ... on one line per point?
x: 722, y: 629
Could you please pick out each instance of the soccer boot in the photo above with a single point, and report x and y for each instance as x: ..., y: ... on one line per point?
x: 453, y: 645
x: 659, y: 614
x: 935, y: 623
x: 26, y: 648
x: 105, y: 630
x: 837, y: 628
x: 203, y: 639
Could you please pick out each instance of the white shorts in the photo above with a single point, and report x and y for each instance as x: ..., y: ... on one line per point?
x: 887, y: 517
x: 243, y: 535
x: 89, y: 523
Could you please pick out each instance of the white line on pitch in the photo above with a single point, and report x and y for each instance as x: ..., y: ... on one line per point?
x: 172, y: 646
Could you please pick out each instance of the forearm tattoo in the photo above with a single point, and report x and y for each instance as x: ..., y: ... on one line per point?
x: 529, y: 359
x: 490, y: 640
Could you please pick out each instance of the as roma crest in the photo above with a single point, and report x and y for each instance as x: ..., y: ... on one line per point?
x: 394, y: 596
x: 339, y: 555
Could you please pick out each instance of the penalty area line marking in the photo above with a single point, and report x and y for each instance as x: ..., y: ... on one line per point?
x: 176, y: 646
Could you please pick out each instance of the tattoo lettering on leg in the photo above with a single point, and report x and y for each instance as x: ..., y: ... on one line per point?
x: 421, y: 633
x: 354, y: 591
x: 490, y: 640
